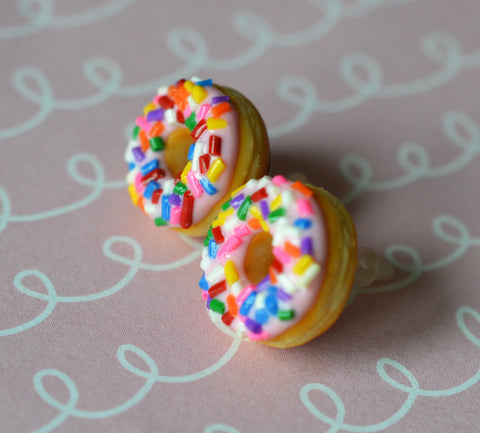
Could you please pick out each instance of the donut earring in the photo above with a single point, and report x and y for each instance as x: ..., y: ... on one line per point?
x: 195, y: 143
x: 279, y: 262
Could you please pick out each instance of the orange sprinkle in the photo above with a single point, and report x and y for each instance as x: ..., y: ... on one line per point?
x: 254, y: 224
x: 156, y: 129
x: 232, y: 305
x: 273, y: 277
x: 220, y: 109
x: 141, y: 204
x: 299, y: 186
x: 292, y: 249
x: 144, y: 143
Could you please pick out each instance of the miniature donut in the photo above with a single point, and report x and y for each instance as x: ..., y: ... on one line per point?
x: 279, y: 262
x: 195, y: 143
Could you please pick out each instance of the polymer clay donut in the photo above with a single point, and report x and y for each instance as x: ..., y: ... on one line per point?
x: 279, y: 262
x: 194, y: 144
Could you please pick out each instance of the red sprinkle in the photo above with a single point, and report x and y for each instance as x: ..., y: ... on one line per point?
x: 204, y: 163
x: 180, y: 117
x: 218, y: 288
x: 165, y: 102
x: 277, y: 265
x: 156, y: 195
x: 215, y: 145
x: 218, y: 235
x: 156, y: 174
x: 199, y: 129
x: 227, y: 318
x: 259, y: 195
x: 187, y: 210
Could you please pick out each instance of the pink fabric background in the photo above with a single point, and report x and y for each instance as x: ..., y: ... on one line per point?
x: 54, y: 115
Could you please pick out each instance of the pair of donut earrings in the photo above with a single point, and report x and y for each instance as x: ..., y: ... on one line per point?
x: 279, y: 256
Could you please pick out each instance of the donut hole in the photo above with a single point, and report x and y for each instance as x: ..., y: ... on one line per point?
x: 259, y: 257
x: 176, y: 150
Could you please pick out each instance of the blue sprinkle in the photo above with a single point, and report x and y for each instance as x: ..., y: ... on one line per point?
x: 212, y: 249
x: 203, y: 283
x: 271, y: 304
x: 204, y: 83
x: 248, y: 304
x: 149, y: 166
x: 152, y: 186
x: 207, y: 186
x: 261, y: 316
x: 302, y: 223
x: 272, y: 290
x: 190, y: 151
x: 131, y: 165
x: 166, y: 208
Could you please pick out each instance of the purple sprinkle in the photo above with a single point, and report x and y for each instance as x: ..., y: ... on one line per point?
x: 264, y: 209
x: 208, y: 301
x: 138, y: 153
x: 262, y: 285
x: 219, y: 99
x: 284, y: 296
x: 175, y: 200
x: 307, y: 246
x: 253, y: 326
x: 155, y: 115
x: 237, y: 201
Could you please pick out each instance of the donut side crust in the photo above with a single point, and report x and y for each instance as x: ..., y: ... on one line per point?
x: 339, y: 273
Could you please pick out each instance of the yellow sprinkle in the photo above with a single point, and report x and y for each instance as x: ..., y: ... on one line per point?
x: 183, y: 176
x: 216, y: 124
x: 133, y: 194
x: 198, y: 94
x: 237, y: 190
x: 303, y: 264
x: 215, y: 170
x: 148, y: 108
x: 188, y: 86
x: 264, y: 226
x: 222, y: 216
x: 276, y: 202
x: 231, y: 273
x: 255, y: 211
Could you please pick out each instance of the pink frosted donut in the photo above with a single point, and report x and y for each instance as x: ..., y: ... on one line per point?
x: 278, y: 262
x: 184, y: 153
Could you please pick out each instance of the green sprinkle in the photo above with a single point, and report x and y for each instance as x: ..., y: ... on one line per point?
x: 276, y: 214
x: 218, y: 306
x: 226, y: 205
x: 190, y: 122
x: 135, y: 132
x: 286, y: 314
x: 160, y: 222
x: 206, y: 241
x: 244, y: 207
x: 157, y: 143
x: 180, y: 188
